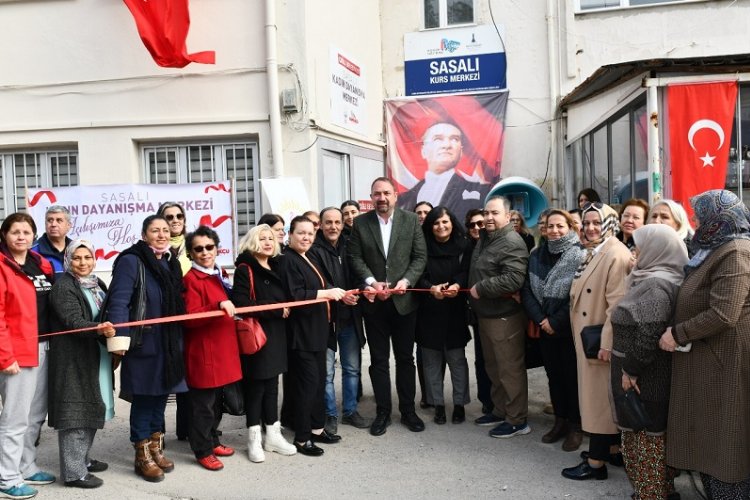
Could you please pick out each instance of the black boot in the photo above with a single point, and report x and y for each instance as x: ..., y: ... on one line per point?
x: 439, y: 414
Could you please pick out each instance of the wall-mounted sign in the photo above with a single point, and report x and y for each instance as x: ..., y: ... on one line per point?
x: 468, y: 59
x: 348, y: 93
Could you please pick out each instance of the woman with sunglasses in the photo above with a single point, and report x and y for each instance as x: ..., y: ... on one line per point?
x: 598, y: 285
x: 212, y: 358
x: 474, y: 222
x: 519, y: 224
x: 174, y: 214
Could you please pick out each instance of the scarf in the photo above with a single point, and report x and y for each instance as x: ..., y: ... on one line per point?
x: 610, y: 227
x: 662, y: 254
x: 219, y: 273
x: 723, y: 217
x: 170, y: 283
x: 556, y: 285
x: 177, y: 248
x: 89, y: 282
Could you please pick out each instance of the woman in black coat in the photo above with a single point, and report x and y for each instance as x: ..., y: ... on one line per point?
x: 308, y: 330
x: 80, y: 377
x: 259, y: 259
x: 442, y: 332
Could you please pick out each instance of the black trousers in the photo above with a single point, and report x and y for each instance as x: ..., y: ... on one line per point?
x: 559, y: 357
x: 307, y: 381
x: 385, y: 326
x: 484, y: 384
x: 204, y: 420
x: 599, y: 445
x: 182, y: 422
x: 261, y: 400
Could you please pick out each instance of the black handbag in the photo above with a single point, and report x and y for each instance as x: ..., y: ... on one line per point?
x: 630, y: 406
x: 233, y: 401
x: 591, y: 337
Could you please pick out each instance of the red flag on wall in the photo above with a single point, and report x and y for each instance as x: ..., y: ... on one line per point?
x: 700, y: 128
x: 163, y: 27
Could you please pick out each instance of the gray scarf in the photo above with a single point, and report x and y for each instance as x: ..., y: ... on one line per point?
x: 556, y: 285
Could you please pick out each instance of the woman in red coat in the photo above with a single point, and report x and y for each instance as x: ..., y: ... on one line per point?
x: 212, y: 358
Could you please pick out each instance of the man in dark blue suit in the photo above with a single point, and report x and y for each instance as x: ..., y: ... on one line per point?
x: 388, y: 255
x: 442, y: 147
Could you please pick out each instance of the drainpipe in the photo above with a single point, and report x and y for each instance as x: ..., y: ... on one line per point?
x: 654, y: 159
x: 554, y: 126
x: 272, y: 79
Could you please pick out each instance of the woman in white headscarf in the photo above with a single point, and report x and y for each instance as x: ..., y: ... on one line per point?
x: 637, y: 362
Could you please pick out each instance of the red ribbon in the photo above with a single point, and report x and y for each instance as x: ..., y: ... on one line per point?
x: 239, y: 310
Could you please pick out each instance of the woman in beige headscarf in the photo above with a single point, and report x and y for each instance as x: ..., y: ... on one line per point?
x: 637, y: 362
x: 597, y: 288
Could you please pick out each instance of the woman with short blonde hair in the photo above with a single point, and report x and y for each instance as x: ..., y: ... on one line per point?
x: 251, y: 241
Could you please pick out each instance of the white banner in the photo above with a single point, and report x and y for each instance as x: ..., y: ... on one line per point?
x: 110, y: 216
x: 348, y: 98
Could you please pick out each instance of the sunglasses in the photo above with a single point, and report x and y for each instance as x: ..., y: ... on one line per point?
x: 172, y: 217
x: 514, y: 220
x: 479, y: 224
x: 208, y: 248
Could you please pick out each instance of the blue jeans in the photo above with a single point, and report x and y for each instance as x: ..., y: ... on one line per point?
x: 146, y: 416
x: 349, y: 357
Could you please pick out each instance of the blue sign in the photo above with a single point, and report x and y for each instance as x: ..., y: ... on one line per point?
x: 467, y: 73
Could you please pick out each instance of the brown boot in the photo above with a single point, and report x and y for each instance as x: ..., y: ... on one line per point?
x: 155, y: 447
x: 573, y: 439
x: 557, y: 431
x: 144, y: 464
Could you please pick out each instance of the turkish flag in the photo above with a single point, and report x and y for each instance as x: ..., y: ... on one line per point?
x: 700, y: 128
x: 163, y: 27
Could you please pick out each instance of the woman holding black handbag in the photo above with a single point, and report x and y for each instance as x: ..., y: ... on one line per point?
x: 257, y: 282
x: 637, y: 362
x: 597, y: 287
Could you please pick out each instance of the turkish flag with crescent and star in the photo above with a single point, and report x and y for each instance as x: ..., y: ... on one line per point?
x: 700, y: 128
x: 163, y: 27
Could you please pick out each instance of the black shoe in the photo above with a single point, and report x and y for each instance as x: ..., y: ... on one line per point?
x: 309, y: 449
x: 88, y: 482
x: 325, y: 437
x: 584, y: 471
x: 97, y: 466
x: 459, y: 414
x: 412, y: 422
x: 381, y: 422
x: 424, y: 405
x: 613, y: 459
x: 439, y: 415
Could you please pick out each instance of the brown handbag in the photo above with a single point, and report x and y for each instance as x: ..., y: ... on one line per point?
x: 250, y: 335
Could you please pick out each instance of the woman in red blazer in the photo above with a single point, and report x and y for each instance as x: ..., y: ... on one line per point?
x: 212, y: 358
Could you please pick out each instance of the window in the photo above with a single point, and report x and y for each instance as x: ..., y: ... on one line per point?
x: 613, y: 159
x: 443, y: 13
x: 589, y: 5
x: 346, y: 171
x: 183, y: 164
x: 22, y: 170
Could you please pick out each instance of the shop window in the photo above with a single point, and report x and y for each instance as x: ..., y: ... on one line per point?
x: 20, y: 171
x: 444, y: 13
x: 194, y: 163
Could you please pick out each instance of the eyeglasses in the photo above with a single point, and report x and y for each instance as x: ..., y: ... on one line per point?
x: 171, y: 217
x: 478, y: 224
x: 208, y: 248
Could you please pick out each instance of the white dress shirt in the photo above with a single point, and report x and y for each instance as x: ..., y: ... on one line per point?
x: 434, y: 186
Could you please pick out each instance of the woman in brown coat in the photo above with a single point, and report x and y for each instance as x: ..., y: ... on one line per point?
x: 709, y: 407
x: 598, y: 286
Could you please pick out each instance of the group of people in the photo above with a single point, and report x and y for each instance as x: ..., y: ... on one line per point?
x: 635, y: 302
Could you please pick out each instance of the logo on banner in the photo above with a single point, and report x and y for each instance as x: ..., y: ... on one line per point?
x: 449, y: 45
x: 699, y: 125
x: 35, y: 199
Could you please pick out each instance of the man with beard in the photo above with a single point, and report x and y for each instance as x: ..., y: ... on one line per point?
x: 442, y: 147
x: 388, y: 255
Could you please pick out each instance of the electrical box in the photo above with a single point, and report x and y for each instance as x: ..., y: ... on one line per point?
x: 289, y: 101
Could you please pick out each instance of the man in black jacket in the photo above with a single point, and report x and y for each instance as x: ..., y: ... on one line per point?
x: 328, y: 253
